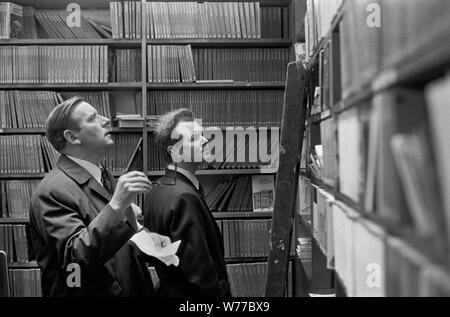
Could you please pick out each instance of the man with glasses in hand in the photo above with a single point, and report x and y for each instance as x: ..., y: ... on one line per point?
x: 81, y: 219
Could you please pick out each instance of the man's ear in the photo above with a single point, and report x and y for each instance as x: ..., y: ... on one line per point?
x: 174, y: 154
x: 71, y: 138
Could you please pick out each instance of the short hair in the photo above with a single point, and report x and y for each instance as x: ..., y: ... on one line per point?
x: 166, y: 125
x: 60, y: 120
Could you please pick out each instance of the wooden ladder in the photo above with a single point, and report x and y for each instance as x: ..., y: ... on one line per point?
x: 292, y: 133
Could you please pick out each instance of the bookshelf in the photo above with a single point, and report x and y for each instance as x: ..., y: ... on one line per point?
x: 141, y: 89
x: 360, y: 198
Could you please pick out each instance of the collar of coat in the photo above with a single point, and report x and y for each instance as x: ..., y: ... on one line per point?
x: 81, y: 176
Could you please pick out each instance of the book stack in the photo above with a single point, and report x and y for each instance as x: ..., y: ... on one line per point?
x: 410, y: 274
x: 358, y: 249
x: 248, y: 279
x: 436, y: 97
x: 275, y: 22
x: 29, y: 23
x: 242, y: 64
x: 351, y: 154
x: 400, y: 270
x: 13, y: 239
x: 321, y: 216
x: 231, y: 196
x: 11, y: 21
x: 170, y: 63
x: 21, y: 154
x: 243, y: 194
x: 128, y: 121
x: 325, y: 72
x: 223, y: 108
x: 408, y: 29
x: 126, y: 19
x: 126, y: 66
x: 25, y: 283
x: 15, y: 197
x: 361, y: 60
x: 414, y: 28
x: 246, y: 153
x: 25, y: 109
x: 304, y: 197
x: 178, y: 20
x: 55, y: 24
x: 249, y: 238
x: 54, y: 64
x: 319, y: 16
x: 330, y: 154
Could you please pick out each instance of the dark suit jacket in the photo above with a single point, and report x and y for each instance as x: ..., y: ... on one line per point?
x: 71, y: 222
x: 179, y: 211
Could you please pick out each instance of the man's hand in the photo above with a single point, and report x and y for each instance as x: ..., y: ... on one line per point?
x: 128, y: 186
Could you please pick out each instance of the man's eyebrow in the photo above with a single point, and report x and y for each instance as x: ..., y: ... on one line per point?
x: 92, y: 116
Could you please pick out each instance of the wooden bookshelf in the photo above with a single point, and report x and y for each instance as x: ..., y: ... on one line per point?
x: 261, y: 259
x: 392, y: 230
x: 113, y: 43
x: 417, y: 66
x: 216, y: 86
x: 73, y: 86
x: 31, y: 265
x: 133, y: 43
x: 242, y: 215
x: 222, y: 172
x: 23, y: 176
x: 8, y: 221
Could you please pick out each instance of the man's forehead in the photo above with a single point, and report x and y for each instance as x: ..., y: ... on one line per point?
x: 192, y: 126
x: 83, y: 109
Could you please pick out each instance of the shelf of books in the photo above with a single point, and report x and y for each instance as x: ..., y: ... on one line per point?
x: 134, y: 61
x: 374, y: 198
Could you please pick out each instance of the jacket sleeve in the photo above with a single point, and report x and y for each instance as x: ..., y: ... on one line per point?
x: 196, y: 263
x: 89, y: 246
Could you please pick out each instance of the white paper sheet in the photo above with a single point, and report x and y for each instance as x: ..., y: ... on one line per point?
x: 167, y: 255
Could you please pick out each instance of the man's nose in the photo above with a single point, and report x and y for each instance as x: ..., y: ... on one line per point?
x: 204, y: 140
x: 105, y: 121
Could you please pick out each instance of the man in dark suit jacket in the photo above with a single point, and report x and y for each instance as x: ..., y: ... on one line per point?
x: 81, y: 219
x: 177, y: 209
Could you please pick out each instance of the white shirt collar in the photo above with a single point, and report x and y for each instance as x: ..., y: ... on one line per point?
x: 92, y: 169
x: 187, y: 174
x: 96, y: 172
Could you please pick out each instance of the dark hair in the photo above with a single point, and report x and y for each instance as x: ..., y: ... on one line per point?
x: 167, y: 124
x: 60, y: 120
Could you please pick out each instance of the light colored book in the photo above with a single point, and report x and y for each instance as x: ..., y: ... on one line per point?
x: 263, y: 193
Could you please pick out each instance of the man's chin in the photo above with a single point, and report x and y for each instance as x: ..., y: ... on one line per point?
x: 109, y: 138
